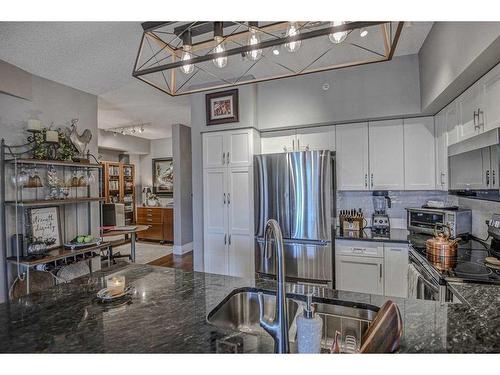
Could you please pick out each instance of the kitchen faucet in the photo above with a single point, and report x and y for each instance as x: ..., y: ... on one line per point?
x: 278, y: 328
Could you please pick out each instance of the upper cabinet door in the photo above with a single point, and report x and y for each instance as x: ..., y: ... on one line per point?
x: 213, y: 150
x: 419, y: 154
x: 491, y: 87
x: 441, y: 151
x: 320, y: 138
x: 351, y: 158
x: 451, y: 122
x: 239, y: 148
x: 278, y: 141
x: 386, y: 155
x: 468, y: 170
x: 469, y: 103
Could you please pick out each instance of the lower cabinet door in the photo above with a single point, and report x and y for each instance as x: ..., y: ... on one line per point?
x: 396, y: 270
x: 216, y: 257
x: 241, y: 256
x: 359, y: 274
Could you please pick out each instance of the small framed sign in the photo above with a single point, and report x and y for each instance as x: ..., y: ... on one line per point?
x: 44, y: 225
x: 222, y: 107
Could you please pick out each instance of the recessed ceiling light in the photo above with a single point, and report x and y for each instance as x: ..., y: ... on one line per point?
x: 363, y: 33
x: 276, y: 51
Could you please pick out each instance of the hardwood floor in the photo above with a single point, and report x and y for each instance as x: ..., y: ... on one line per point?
x: 184, y: 262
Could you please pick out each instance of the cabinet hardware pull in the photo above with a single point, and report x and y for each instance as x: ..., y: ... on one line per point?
x: 442, y: 175
x: 224, y: 198
x: 479, y: 122
x: 358, y: 250
x: 225, y: 239
x: 227, y: 158
x: 493, y: 172
x: 380, y: 271
x: 223, y: 158
x: 474, y: 120
x: 293, y: 144
x: 366, y: 180
x: 229, y: 239
x: 372, y: 180
x: 488, y: 177
x: 298, y: 144
x: 228, y: 198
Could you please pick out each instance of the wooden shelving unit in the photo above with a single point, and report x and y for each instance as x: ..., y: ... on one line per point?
x: 119, y: 187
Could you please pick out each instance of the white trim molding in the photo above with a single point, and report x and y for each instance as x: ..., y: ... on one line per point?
x: 183, y: 249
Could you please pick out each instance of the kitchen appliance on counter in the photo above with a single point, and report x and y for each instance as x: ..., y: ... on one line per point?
x: 424, y: 220
x: 380, y: 219
x: 296, y: 189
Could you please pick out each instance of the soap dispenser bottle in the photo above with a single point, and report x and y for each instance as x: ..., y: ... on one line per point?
x: 309, y: 329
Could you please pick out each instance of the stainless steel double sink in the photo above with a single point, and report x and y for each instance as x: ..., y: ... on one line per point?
x: 239, y: 311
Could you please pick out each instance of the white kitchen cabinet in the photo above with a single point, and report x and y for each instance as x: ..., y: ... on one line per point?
x: 419, y: 154
x: 317, y: 138
x: 469, y: 103
x: 396, y: 270
x: 359, y: 274
x: 234, y: 148
x: 441, y: 144
x: 490, y: 165
x: 491, y: 87
x: 228, y: 203
x: 351, y: 144
x: 278, y: 141
x: 386, y: 155
x: 451, y: 122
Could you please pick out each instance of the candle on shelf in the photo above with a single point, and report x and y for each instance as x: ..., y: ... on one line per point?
x: 116, y: 285
x: 52, y: 136
x: 34, y: 125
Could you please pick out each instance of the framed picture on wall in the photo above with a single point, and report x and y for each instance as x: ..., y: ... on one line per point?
x: 44, y: 226
x: 222, y: 107
x: 163, y: 177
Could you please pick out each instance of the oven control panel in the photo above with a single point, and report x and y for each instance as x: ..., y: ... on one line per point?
x: 494, y: 226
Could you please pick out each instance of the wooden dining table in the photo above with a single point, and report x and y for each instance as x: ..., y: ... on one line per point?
x: 131, y: 232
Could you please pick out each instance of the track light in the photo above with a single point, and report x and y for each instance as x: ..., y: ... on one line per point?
x: 253, y: 39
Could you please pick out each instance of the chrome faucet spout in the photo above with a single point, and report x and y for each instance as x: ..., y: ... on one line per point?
x: 278, y: 327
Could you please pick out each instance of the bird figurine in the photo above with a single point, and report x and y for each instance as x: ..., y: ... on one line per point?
x: 80, y: 141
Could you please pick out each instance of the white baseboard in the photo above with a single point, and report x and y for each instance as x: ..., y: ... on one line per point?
x: 183, y: 249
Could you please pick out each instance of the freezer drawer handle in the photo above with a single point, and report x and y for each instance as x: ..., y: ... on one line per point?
x: 380, y: 271
x: 358, y: 250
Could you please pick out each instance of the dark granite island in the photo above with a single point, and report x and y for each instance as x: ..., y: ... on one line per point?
x: 168, y: 312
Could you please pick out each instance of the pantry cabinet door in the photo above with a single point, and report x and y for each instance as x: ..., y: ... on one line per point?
x: 469, y: 103
x: 396, y: 270
x: 491, y: 87
x: 441, y: 151
x: 239, y: 148
x: 351, y: 144
x: 241, y: 256
x: 359, y: 274
x: 386, y: 155
x: 319, y: 138
x: 419, y: 154
x: 215, y: 253
x: 278, y: 141
x: 213, y: 150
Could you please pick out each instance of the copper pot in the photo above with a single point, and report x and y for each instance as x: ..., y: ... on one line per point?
x: 442, y: 250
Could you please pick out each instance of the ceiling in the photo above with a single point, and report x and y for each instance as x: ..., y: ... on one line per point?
x: 98, y: 57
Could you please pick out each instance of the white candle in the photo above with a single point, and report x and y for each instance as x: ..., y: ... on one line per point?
x: 116, y: 285
x: 34, y: 125
x: 52, y: 136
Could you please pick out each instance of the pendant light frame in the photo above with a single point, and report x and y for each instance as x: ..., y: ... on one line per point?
x: 202, y: 33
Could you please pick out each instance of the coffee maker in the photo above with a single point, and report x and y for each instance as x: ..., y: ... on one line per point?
x: 380, y: 219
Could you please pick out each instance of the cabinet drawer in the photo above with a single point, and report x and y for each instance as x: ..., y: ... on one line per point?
x: 155, y: 232
x: 147, y: 216
x: 359, y: 248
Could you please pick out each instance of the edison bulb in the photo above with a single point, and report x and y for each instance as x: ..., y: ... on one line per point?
x: 186, y: 56
x: 293, y: 30
x: 220, y: 62
x: 253, y: 40
x: 339, y: 36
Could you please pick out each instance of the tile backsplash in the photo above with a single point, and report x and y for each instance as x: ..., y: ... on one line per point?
x: 481, y: 211
x: 400, y: 200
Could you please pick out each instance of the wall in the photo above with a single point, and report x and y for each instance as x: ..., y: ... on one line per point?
x: 125, y: 143
x: 453, y: 56
x: 51, y: 103
x: 481, y: 211
x: 387, y: 89
x: 108, y: 155
x: 160, y: 148
x: 183, y: 197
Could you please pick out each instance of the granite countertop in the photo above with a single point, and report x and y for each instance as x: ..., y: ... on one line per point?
x: 395, y: 235
x: 167, y: 314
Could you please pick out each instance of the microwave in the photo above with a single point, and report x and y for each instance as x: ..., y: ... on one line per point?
x: 424, y: 220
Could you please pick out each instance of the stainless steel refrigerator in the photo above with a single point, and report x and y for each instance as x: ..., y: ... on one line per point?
x: 298, y: 190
